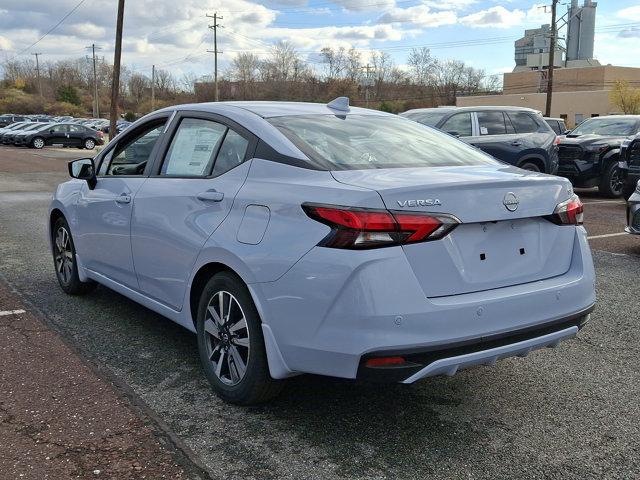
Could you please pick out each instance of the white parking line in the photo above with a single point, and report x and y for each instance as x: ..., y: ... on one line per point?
x: 6, y: 313
x: 607, y: 235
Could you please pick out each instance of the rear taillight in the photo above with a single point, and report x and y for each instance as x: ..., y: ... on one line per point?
x: 570, y: 212
x: 556, y: 141
x: 360, y: 228
x: 100, y: 134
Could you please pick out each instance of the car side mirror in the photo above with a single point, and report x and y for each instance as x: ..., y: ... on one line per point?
x: 52, y: 131
x: 84, y: 169
x: 455, y: 134
x: 567, y: 132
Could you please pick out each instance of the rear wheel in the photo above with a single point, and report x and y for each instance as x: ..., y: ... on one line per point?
x: 37, y: 143
x: 89, y: 144
x: 64, y: 259
x: 231, y: 344
x: 530, y: 166
x: 612, y: 181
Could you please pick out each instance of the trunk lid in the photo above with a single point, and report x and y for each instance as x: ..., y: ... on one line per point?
x: 494, y: 247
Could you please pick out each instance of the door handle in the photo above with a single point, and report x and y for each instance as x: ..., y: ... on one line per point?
x: 210, y: 196
x: 124, y: 198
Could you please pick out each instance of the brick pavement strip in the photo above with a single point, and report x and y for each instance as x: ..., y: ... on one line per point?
x: 60, y: 420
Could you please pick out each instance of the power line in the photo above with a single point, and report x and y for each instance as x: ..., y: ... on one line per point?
x: 52, y: 28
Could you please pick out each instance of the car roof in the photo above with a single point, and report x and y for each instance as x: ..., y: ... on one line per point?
x: 554, y: 118
x: 267, y: 109
x: 472, y: 109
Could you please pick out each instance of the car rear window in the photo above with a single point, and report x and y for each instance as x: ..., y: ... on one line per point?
x: 523, y: 122
x: 355, y: 142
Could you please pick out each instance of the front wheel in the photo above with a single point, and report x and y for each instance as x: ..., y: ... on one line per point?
x: 89, y: 144
x: 612, y: 181
x: 64, y: 259
x: 231, y: 345
x: 530, y: 166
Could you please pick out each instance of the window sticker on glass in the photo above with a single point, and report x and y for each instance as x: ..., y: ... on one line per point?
x: 484, y: 131
x: 193, y: 148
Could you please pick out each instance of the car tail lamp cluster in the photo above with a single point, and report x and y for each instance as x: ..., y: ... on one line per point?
x: 570, y: 212
x: 359, y: 228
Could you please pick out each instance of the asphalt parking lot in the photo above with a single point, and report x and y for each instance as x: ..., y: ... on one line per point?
x: 571, y: 412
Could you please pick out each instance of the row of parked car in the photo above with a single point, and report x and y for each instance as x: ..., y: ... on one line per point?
x: 39, y: 131
x: 591, y: 155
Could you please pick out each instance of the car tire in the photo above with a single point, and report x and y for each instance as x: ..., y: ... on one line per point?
x: 89, y: 144
x: 231, y: 345
x: 38, y: 143
x: 611, y: 182
x: 530, y: 166
x: 64, y: 260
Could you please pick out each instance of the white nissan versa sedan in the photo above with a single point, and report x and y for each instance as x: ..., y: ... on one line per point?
x: 326, y: 239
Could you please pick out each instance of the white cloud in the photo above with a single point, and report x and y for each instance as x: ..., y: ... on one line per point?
x: 449, y: 4
x: 629, y: 13
x: 364, y: 5
x: 494, y: 17
x: 5, y: 43
x: 419, y: 15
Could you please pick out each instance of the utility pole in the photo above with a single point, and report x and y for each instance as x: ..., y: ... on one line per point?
x: 96, y: 99
x: 153, y: 88
x: 215, y: 52
x: 37, y: 55
x: 367, y: 83
x: 115, y: 84
x: 552, y: 55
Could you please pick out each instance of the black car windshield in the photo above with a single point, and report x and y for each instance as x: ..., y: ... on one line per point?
x: 427, y: 117
x: 354, y: 142
x: 607, y: 126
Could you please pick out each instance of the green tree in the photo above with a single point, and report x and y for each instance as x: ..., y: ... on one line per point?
x: 68, y: 94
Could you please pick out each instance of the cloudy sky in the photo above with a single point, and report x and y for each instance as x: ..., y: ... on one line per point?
x: 173, y: 34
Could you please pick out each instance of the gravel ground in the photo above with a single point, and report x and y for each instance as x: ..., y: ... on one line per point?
x: 569, y: 413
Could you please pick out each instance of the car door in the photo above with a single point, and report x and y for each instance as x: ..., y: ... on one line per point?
x: 187, y: 197
x: 75, y: 136
x: 57, y: 135
x: 103, y: 214
x: 496, y: 136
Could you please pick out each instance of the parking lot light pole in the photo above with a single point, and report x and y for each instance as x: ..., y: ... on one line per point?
x: 115, y: 82
x: 37, y: 55
x: 552, y: 56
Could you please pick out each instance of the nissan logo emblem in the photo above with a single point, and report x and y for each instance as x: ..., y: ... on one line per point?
x: 511, y: 202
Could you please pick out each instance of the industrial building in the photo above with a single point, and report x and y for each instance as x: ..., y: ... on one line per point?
x: 581, y: 84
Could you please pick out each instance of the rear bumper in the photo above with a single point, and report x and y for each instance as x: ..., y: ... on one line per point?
x: 483, y: 351
x: 334, y: 309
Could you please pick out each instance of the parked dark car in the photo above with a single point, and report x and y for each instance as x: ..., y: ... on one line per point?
x: 514, y: 135
x: 630, y: 153
x: 557, y: 125
x: 8, y: 137
x: 8, y: 119
x: 630, y: 156
x: 590, y: 153
x: 65, y: 134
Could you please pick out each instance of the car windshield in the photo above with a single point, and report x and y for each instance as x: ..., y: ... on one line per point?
x: 607, y: 126
x: 354, y: 142
x: 427, y: 117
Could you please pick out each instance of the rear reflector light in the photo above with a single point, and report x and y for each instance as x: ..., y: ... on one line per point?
x: 385, y: 362
x: 360, y: 228
x: 570, y: 212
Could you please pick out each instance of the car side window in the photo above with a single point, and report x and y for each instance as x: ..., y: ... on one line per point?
x: 458, y: 124
x: 232, y: 153
x: 193, y: 148
x: 59, y: 128
x: 74, y: 129
x: 130, y: 157
x: 492, y: 123
x: 523, y: 122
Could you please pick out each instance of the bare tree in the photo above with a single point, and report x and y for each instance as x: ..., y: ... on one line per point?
x: 335, y: 62
x: 138, y: 86
x: 244, y: 70
x: 422, y: 65
x: 625, y: 98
